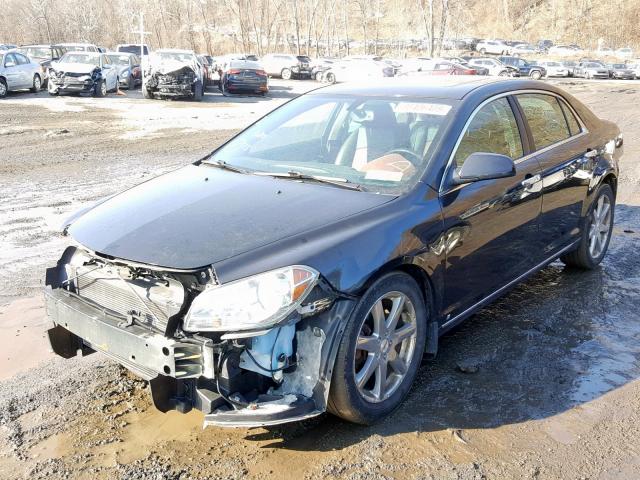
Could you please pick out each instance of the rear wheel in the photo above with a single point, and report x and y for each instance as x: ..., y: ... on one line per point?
x: 37, y: 84
x: 285, y: 74
x: 331, y: 78
x: 596, y: 233
x: 536, y: 74
x: 131, y: 82
x: 380, y: 351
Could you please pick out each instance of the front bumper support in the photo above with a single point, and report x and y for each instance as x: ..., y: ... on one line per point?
x: 141, y: 350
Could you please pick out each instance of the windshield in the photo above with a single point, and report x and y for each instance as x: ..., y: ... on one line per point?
x: 174, y: 57
x: 135, y: 49
x: 36, y: 52
x: 594, y: 65
x: 619, y: 65
x: 381, y: 144
x: 88, y: 58
x: 119, y: 59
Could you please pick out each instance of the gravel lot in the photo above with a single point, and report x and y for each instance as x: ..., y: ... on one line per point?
x: 554, y: 393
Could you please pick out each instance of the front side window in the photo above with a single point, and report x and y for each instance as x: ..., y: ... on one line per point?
x: 382, y: 144
x: 545, y: 118
x: 492, y: 130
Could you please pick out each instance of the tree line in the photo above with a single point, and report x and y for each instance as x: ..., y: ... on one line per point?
x: 319, y: 27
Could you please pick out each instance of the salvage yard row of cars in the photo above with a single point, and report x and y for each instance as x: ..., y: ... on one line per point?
x: 174, y: 73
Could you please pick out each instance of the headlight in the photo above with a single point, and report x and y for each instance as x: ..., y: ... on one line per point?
x: 125, y: 74
x: 260, y: 301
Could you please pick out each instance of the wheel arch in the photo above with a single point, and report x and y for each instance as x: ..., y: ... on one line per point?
x: 430, y: 293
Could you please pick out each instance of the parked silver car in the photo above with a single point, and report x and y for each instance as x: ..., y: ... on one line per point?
x: 590, y: 70
x: 18, y: 72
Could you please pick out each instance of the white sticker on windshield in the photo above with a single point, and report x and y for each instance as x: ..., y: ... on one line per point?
x: 383, y: 175
x: 424, y: 108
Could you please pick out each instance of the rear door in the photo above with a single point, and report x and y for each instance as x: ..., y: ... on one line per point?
x: 26, y: 70
x: 567, y: 157
x: 491, y: 227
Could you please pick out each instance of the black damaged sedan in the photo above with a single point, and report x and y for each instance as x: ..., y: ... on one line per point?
x: 310, y: 262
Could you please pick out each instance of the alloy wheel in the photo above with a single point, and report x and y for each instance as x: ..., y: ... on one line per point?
x: 600, y: 226
x: 385, y: 347
x: 103, y: 88
x: 3, y: 89
x: 37, y: 83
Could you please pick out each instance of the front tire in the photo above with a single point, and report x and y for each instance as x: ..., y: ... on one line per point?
x: 331, y: 78
x: 380, y: 351
x: 3, y: 88
x: 596, y: 234
x: 37, y: 84
x: 100, y: 90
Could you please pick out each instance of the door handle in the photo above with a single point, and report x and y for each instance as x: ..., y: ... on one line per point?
x: 531, y: 181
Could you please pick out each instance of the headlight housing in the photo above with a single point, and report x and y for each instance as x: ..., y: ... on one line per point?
x: 256, y: 302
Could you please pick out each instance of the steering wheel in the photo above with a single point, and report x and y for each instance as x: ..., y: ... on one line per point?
x: 415, y: 159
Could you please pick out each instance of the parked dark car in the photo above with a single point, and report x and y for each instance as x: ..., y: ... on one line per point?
x: 545, y: 45
x: 525, y: 68
x: 129, y: 71
x: 244, y: 76
x: 44, y: 55
x: 621, y: 71
x: 308, y: 263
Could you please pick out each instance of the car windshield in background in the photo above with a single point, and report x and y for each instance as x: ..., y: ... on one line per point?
x: 383, y: 145
x: 174, y: 57
x: 36, y: 52
x: 88, y: 58
x: 119, y: 59
x: 593, y: 65
x: 135, y: 49
x: 619, y: 66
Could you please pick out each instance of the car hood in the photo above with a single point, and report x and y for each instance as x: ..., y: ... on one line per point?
x: 200, y: 215
x: 73, y: 67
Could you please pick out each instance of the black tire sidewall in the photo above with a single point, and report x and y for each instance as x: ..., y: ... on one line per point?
x: 6, y: 89
x: 346, y: 401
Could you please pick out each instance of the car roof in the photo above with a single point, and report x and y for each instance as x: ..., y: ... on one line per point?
x: 451, y: 87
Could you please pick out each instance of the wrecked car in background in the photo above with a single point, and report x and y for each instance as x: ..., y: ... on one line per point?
x: 83, y: 72
x: 174, y: 73
x: 307, y: 264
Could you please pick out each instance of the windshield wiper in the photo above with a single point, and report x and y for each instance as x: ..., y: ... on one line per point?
x: 224, y: 165
x: 295, y: 175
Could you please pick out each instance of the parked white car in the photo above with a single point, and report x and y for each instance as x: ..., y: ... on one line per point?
x: 83, y: 72
x: 79, y: 47
x: 495, y: 67
x: 18, y: 72
x: 287, y: 66
x: 565, y: 50
x: 497, y: 47
x: 357, y: 70
x: 522, y: 49
x: 624, y: 52
x: 554, y: 69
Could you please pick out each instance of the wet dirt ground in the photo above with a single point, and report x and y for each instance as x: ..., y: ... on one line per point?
x: 555, y: 391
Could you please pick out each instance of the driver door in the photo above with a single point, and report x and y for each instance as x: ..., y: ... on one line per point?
x: 492, y: 233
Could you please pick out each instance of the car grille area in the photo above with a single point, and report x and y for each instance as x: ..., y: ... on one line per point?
x: 144, y: 300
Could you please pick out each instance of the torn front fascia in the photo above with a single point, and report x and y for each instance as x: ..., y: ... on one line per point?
x: 304, y: 388
x: 175, y: 82
x: 74, y: 82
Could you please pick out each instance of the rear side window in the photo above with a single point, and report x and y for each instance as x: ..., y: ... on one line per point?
x: 545, y: 118
x: 574, y: 126
x: 492, y: 130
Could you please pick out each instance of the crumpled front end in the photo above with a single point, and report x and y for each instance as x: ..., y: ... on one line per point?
x: 61, y: 81
x: 174, y: 83
x: 135, y: 314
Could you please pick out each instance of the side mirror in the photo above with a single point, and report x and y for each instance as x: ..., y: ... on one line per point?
x: 484, y: 166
